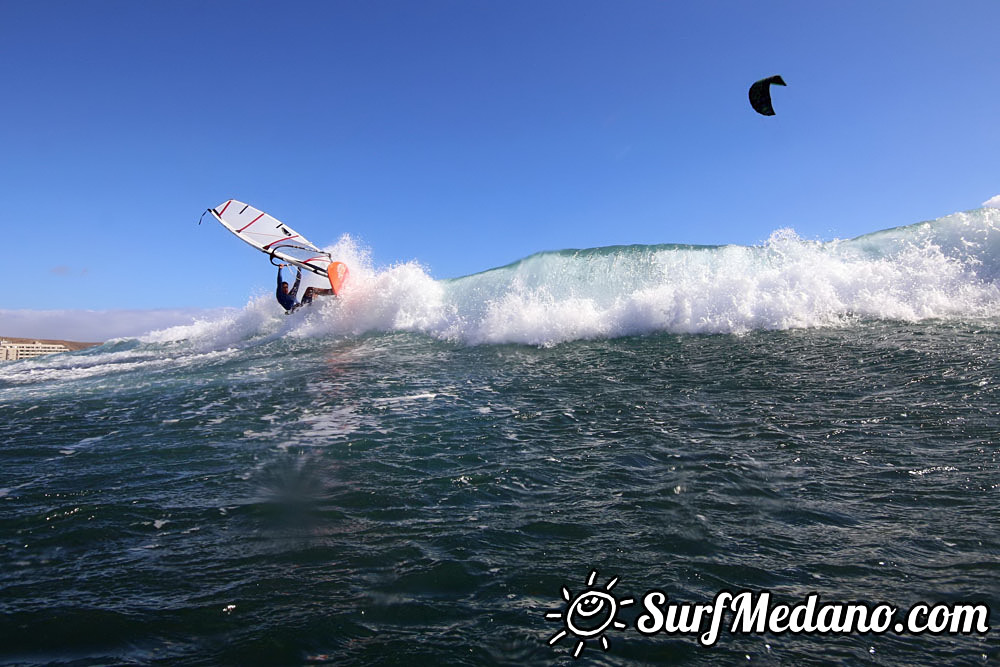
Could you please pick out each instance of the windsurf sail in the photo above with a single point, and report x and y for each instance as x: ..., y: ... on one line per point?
x: 270, y: 236
x: 279, y: 241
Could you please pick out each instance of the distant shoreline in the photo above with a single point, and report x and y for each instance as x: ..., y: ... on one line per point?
x: 71, y: 345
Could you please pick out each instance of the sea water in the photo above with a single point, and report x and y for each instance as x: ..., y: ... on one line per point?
x: 431, y: 472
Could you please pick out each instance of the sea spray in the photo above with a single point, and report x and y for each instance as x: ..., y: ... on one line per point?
x: 946, y: 269
x: 940, y: 269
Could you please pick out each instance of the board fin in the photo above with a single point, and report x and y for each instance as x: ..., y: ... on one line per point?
x: 337, y: 273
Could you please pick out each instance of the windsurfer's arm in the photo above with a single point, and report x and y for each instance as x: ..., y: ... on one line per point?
x: 295, y: 287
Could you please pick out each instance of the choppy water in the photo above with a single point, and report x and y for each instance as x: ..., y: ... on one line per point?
x: 411, y: 475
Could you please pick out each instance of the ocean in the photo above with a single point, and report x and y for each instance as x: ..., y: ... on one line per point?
x: 463, y: 471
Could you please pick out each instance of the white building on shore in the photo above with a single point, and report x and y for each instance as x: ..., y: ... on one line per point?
x: 10, y: 351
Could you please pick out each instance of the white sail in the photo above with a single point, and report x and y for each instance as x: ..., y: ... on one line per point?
x: 271, y: 236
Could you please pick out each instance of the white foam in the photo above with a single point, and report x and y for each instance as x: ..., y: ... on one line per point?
x: 63, y: 368
x: 942, y: 269
x: 948, y: 268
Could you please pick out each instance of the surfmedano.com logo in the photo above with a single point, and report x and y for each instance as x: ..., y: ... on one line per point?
x: 593, y: 611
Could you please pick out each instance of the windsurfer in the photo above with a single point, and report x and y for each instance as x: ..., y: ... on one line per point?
x: 285, y: 296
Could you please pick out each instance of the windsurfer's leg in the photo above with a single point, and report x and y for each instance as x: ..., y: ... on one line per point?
x: 313, y: 292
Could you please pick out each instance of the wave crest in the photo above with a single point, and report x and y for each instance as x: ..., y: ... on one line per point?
x: 941, y: 269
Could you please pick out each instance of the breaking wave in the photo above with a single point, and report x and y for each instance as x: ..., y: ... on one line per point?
x: 946, y: 268
x: 943, y: 269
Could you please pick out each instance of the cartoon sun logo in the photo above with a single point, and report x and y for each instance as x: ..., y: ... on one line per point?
x: 589, y: 614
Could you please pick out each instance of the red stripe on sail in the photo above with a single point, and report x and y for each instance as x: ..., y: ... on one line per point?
x: 293, y: 236
x: 251, y: 222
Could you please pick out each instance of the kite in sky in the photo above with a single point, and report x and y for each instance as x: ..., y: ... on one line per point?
x: 760, y: 94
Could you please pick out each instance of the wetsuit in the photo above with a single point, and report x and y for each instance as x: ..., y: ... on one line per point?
x: 288, y: 301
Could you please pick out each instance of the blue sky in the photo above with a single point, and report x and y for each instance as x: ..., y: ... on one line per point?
x: 467, y: 134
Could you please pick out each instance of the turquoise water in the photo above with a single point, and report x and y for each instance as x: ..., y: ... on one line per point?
x: 417, y: 485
